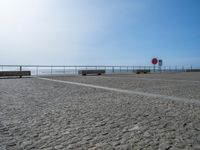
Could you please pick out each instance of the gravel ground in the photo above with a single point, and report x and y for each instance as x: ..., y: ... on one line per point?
x: 38, y: 114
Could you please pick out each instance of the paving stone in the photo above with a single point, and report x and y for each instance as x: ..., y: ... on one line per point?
x: 48, y: 115
x: 58, y: 147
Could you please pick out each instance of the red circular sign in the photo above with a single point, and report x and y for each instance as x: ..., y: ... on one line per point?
x: 154, y: 61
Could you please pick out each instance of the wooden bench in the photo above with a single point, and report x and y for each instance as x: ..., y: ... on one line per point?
x: 143, y: 71
x: 91, y: 72
x: 15, y: 73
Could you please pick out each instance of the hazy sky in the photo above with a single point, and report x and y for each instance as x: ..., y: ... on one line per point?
x: 99, y: 32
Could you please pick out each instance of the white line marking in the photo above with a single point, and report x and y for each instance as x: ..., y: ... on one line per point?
x: 178, y: 99
x: 156, y: 79
x: 168, y: 80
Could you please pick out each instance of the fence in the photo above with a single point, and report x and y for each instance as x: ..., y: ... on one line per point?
x: 39, y: 70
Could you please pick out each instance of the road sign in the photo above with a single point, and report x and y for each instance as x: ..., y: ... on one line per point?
x: 160, y: 62
x: 154, y: 61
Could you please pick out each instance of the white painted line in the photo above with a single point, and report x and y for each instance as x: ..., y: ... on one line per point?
x: 178, y: 99
x: 156, y: 79
x: 167, y: 80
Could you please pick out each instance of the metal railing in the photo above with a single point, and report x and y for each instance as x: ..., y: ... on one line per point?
x: 39, y: 70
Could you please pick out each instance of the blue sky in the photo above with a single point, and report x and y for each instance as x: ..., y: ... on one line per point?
x: 100, y: 32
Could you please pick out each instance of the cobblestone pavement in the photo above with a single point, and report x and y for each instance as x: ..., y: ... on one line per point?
x: 38, y: 114
x: 186, y: 86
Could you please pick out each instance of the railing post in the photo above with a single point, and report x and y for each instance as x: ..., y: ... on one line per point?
x: 51, y: 70
x: 37, y: 70
x: 76, y: 72
x: 113, y: 69
x: 64, y: 69
x: 20, y: 69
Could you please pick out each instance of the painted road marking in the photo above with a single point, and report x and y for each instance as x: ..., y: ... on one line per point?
x: 178, y: 99
x: 156, y: 79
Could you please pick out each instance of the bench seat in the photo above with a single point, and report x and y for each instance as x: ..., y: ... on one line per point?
x: 15, y: 73
x: 143, y: 71
x: 92, y: 72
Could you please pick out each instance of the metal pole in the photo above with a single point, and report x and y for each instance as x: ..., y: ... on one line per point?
x: 37, y: 70
x: 20, y: 68
x: 113, y: 70
x: 64, y: 69
x: 51, y: 70
x: 76, y: 70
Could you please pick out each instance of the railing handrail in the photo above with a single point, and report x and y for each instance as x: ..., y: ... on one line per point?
x: 151, y: 66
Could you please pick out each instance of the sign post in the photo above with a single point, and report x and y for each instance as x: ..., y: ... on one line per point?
x: 154, y: 62
x: 160, y: 63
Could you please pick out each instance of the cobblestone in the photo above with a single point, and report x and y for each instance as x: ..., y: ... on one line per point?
x: 37, y: 114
